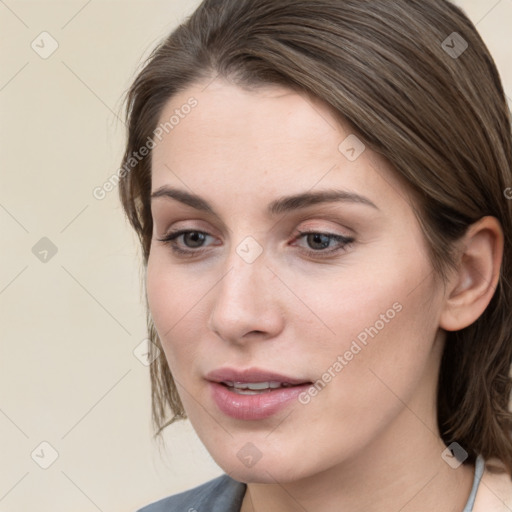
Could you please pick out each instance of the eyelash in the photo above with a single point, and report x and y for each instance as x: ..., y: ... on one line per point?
x: 344, y: 242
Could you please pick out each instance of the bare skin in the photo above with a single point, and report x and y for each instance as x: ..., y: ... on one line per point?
x: 368, y: 441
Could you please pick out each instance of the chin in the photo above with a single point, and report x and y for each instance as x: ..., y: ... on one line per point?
x: 262, y: 474
x: 267, y: 470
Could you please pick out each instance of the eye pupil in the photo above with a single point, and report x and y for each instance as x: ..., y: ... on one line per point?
x: 196, y: 238
x: 318, y: 238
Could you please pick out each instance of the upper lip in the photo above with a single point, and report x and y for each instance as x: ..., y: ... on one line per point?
x: 251, y: 375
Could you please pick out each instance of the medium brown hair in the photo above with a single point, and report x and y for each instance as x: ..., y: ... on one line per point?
x: 416, y: 95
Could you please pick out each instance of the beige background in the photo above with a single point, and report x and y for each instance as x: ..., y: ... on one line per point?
x: 69, y: 326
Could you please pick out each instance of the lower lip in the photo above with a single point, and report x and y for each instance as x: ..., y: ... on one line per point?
x: 254, y: 407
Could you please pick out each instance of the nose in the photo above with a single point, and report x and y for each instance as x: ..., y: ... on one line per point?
x: 246, y: 303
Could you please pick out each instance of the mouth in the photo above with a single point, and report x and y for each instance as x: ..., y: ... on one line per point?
x: 254, y: 394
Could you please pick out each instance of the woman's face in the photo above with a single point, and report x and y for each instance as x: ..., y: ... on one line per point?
x: 303, y: 264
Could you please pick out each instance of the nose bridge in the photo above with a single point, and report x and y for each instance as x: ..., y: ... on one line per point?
x: 244, y: 301
x: 246, y: 271
x: 243, y: 284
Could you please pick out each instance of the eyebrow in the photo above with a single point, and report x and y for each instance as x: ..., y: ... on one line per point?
x: 277, y: 207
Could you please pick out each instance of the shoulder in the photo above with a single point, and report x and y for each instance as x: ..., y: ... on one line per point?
x: 222, y: 494
x: 495, y: 489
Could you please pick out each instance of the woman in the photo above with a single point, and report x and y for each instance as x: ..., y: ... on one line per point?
x: 320, y: 191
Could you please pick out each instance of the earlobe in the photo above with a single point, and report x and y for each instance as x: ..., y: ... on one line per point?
x: 472, y: 286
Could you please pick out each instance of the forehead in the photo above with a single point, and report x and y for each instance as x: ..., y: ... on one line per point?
x: 226, y: 114
x: 270, y: 138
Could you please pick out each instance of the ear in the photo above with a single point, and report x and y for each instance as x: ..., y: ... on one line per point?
x: 472, y: 285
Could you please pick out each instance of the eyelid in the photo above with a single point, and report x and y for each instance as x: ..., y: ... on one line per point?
x: 327, y: 223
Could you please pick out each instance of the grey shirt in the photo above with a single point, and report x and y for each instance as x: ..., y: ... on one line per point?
x: 223, y: 494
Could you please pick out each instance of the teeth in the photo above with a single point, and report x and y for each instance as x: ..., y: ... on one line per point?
x: 256, y: 386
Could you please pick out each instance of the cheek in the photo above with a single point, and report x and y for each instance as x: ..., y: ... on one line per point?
x: 170, y: 302
x: 382, y: 320
x: 383, y: 347
x: 161, y: 302
x: 359, y: 301
x: 373, y: 366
